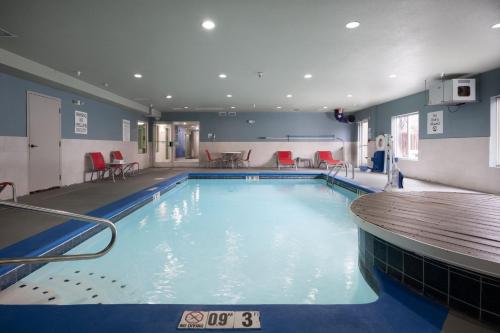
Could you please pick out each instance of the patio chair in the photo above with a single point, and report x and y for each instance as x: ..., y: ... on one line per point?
x: 116, y: 155
x: 324, y: 157
x: 212, y: 162
x: 246, y: 161
x: 284, y: 158
x: 97, y: 165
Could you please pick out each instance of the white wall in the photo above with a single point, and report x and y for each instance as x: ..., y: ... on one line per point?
x: 14, y: 164
x: 263, y: 153
x: 460, y: 162
x: 14, y: 159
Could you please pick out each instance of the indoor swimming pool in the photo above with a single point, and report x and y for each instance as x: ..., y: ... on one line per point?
x: 217, y: 241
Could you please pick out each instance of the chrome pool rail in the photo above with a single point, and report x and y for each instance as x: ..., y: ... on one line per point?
x: 336, y: 169
x: 55, y: 212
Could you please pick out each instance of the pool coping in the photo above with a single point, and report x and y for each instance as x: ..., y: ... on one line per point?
x: 67, y: 235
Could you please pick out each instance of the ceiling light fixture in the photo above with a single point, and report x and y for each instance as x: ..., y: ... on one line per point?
x: 186, y: 107
x: 222, y: 75
x: 138, y: 75
x: 233, y: 107
x: 392, y: 76
x: 352, y: 25
x: 308, y: 76
x: 349, y: 96
x: 325, y: 107
x: 168, y: 97
x: 229, y: 95
x: 208, y: 24
x: 289, y: 96
x: 278, y: 107
x: 495, y: 26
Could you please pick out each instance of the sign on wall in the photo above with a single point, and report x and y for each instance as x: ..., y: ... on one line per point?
x: 126, y: 130
x: 81, y: 121
x: 435, y: 122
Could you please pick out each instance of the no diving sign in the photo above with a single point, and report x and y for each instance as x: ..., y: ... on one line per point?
x: 220, y: 320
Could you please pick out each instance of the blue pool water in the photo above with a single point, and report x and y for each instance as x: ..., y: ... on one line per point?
x: 218, y: 242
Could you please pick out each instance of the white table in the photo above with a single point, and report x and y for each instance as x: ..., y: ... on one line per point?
x: 231, y: 156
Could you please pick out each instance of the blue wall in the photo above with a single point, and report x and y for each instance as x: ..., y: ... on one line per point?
x: 267, y: 124
x: 104, y: 120
x: 469, y: 120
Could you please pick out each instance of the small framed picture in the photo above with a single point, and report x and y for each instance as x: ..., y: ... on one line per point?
x: 231, y: 114
x: 222, y: 114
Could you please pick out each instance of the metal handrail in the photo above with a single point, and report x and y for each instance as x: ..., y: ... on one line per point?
x: 49, y: 211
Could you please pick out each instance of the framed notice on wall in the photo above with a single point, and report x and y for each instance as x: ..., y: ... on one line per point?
x: 126, y: 130
x: 81, y: 121
x: 435, y: 122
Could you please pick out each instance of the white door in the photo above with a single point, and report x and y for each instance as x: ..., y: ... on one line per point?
x: 162, y: 145
x: 44, y: 131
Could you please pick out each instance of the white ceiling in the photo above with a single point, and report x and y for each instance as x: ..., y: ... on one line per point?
x: 110, y: 40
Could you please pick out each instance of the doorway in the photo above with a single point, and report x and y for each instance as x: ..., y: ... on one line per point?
x: 363, y: 142
x: 187, y: 143
x: 162, y: 145
x: 44, y: 136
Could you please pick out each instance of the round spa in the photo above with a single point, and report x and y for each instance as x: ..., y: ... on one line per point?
x: 445, y: 246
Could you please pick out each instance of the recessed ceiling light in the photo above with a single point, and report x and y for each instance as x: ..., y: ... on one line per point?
x: 186, y: 107
x: 325, y: 107
x: 308, y: 76
x: 208, y: 24
x: 233, y: 107
x: 278, y: 107
x: 105, y: 84
x: 349, y: 95
x: 392, y: 76
x: 138, y: 76
x: 229, y: 95
x: 352, y: 25
x: 495, y: 26
x: 222, y: 75
x: 168, y: 97
x: 289, y: 96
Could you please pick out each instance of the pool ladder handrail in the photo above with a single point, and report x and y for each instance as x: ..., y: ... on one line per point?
x: 336, y: 169
x: 44, y: 259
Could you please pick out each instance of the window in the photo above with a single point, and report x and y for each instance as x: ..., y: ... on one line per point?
x: 142, y: 137
x: 405, y: 135
x: 363, y: 142
x: 495, y: 133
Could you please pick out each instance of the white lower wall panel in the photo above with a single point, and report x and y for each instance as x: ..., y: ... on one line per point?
x: 14, y: 164
x: 73, y: 156
x: 460, y: 162
x: 263, y: 153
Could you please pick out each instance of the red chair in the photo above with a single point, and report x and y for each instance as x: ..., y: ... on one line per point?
x: 96, y: 164
x: 284, y: 158
x: 212, y: 161
x: 246, y: 160
x: 128, y: 167
x: 325, y: 157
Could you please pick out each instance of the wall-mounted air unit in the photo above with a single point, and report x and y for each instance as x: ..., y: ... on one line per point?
x: 452, y: 92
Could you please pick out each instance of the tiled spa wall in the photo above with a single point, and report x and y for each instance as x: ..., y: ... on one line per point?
x: 474, y: 294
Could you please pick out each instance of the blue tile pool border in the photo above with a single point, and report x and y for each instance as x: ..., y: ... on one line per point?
x: 420, y: 315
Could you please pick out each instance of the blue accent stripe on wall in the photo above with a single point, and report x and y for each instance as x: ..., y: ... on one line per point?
x: 267, y: 124
x: 104, y: 120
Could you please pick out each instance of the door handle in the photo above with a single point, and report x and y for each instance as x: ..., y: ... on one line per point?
x: 33, y: 146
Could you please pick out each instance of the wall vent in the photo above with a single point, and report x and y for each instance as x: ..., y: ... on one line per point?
x: 5, y: 34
